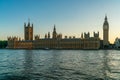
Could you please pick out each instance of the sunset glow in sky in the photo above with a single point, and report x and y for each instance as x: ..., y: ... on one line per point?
x: 71, y: 17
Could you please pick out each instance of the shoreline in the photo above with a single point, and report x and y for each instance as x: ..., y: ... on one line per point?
x: 54, y: 49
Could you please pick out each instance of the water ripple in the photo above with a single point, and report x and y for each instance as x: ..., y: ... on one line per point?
x: 59, y: 65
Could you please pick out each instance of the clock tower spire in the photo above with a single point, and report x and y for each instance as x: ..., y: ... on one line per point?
x: 105, y: 32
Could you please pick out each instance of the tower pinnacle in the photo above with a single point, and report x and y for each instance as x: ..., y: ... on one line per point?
x: 54, y: 33
x: 54, y: 28
x: 105, y: 17
x: 28, y: 21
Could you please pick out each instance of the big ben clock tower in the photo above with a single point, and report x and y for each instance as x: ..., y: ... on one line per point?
x: 106, y: 32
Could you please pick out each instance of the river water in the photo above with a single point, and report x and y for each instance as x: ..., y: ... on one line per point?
x: 59, y: 64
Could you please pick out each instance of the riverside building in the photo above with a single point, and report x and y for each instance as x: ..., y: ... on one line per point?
x: 57, y: 41
x: 106, y: 33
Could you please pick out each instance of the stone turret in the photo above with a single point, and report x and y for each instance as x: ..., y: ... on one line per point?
x: 96, y: 34
x: 28, y: 31
x: 37, y: 37
x: 54, y: 33
x: 87, y: 35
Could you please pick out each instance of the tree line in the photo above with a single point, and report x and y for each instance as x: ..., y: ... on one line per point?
x: 3, y: 44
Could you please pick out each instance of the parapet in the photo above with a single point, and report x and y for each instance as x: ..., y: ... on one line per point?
x: 14, y: 38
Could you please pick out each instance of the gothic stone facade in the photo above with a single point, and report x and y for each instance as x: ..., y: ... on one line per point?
x: 91, y: 43
x: 56, y: 42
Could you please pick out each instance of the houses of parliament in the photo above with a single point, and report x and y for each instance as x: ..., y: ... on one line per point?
x: 57, y: 41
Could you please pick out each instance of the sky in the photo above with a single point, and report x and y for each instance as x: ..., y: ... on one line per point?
x: 71, y: 17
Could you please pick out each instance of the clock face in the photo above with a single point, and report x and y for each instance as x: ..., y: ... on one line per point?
x: 105, y: 27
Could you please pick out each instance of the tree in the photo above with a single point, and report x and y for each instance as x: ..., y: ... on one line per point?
x: 3, y: 44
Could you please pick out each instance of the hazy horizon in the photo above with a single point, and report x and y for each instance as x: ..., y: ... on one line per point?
x: 71, y: 17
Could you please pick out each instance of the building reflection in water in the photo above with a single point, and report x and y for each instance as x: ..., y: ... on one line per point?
x: 55, y: 63
x: 28, y: 63
x: 106, y: 68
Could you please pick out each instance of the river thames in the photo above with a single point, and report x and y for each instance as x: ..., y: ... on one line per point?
x: 59, y: 64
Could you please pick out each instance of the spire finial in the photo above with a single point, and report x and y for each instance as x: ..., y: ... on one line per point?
x: 105, y: 17
x: 28, y: 22
x: 54, y: 28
